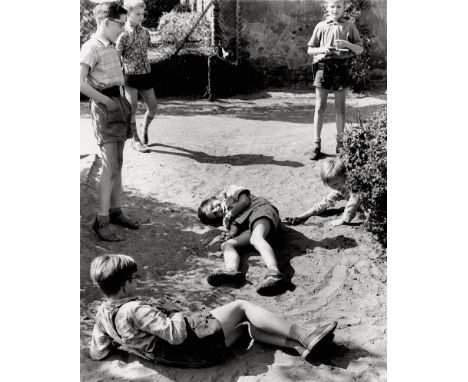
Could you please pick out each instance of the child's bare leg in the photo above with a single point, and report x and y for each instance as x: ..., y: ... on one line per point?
x: 132, y: 97
x: 117, y: 184
x: 340, y: 110
x: 231, y: 261
x: 110, y: 172
x: 260, y: 230
x: 269, y: 326
x: 151, y: 109
x: 231, y: 256
x: 321, y: 96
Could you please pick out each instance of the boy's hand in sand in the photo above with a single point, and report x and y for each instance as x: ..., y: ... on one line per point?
x: 337, y: 222
x: 295, y: 220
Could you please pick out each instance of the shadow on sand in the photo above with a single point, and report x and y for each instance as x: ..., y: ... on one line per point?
x: 233, y: 160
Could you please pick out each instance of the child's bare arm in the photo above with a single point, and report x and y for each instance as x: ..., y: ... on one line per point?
x: 328, y: 202
x: 89, y: 91
x: 312, y: 51
x: 356, y: 49
x: 242, y: 204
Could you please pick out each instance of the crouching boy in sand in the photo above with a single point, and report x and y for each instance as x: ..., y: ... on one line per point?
x: 101, y: 79
x: 177, y: 339
x: 251, y: 220
x: 333, y: 174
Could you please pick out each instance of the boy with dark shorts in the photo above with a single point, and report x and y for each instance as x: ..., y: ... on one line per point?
x: 101, y: 79
x: 133, y: 46
x: 168, y: 336
x: 334, y: 41
x: 251, y: 220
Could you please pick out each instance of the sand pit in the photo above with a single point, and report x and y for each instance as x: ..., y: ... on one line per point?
x: 260, y: 141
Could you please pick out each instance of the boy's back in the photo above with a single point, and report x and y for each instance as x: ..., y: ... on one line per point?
x: 134, y: 324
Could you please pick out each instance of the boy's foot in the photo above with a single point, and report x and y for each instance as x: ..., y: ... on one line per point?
x: 315, y: 151
x: 106, y: 232
x: 118, y: 218
x: 319, y: 335
x: 140, y: 147
x: 272, y: 283
x: 221, y: 278
x: 308, y: 355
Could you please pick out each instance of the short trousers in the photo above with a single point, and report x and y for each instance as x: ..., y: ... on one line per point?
x: 112, y: 125
x: 332, y: 75
x: 263, y: 211
x: 139, y: 81
x: 203, y: 347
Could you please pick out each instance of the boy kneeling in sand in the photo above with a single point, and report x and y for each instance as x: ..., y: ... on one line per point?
x: 333, y: 174
x: 251, y: 220
x: 177, y: 339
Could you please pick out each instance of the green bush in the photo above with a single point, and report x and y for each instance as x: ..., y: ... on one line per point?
x: 360, y: 65
x: 365, y: 157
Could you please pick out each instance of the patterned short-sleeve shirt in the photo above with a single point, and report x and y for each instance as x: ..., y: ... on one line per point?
x: 103, y: 59
x: 134, y: 44
x: 327, y: 31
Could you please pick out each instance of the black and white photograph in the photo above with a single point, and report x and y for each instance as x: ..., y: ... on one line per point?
x: 233, y: 190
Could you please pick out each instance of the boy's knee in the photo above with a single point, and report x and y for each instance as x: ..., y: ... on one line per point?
x: 255, y: 240
x: 152, y: 109
x: 228, y: 244
x: 321, y: 107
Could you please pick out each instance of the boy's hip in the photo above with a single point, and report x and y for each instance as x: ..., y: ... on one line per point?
x: 203, y: 347
x: 263, y: 210
x: 111, y: 124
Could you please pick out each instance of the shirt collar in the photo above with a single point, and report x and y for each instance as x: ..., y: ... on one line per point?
x: 103, y: 41
x: 341, y: 20
x: 136, y: 28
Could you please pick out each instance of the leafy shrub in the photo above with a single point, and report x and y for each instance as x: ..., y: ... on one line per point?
x: 365, y: 157
x: 154, y: 10
x: 87, y: 21
x: 360, y: 65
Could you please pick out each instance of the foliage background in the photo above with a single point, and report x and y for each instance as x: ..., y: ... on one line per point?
x: 365, y: 157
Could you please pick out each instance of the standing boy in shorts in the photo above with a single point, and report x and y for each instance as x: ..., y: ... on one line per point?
x: 101, y: 79
x: 133, y: 45
x: 334, y: 41
x: 251, y: 220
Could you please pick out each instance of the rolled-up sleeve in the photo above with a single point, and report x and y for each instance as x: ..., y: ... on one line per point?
x: 327, y: 202
x: 151, y: 320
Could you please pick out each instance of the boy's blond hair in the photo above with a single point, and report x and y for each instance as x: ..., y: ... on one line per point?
x: 332, y: 169
x: 111, y: 272
x: 131, y: 5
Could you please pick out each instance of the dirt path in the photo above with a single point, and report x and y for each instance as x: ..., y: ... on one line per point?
x: 260, y: 142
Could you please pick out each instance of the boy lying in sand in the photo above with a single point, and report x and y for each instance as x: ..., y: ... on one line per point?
x: 177, y: 339
x: 251, y: 220
x: 333, y: 174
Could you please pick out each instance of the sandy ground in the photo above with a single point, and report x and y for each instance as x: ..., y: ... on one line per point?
x: 260, y: 141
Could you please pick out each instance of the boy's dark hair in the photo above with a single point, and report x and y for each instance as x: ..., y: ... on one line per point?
x: 111, y: 272
x: 108, y: 10
x: 202, y: 215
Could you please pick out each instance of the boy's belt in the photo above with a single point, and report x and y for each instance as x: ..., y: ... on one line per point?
x: 114, y: 91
